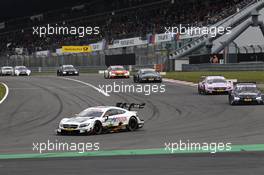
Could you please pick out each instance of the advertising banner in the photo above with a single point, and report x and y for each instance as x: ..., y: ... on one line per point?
x: 127, y: 43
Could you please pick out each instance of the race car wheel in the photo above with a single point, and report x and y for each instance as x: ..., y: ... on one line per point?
x: 98, y: 128
x: 135, y: 80
x: 231, y: 102
x: 132, y: 124
x: 199, y: 91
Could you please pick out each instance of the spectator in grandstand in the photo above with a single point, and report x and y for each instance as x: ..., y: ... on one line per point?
x: 120, y: 19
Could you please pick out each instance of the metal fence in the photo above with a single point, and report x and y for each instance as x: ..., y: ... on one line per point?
x: 145, y: 55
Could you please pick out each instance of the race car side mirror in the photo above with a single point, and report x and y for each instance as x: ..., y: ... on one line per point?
x: 106, y: 117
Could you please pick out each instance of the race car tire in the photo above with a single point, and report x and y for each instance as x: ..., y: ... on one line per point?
x: 59, y: 133
x: 231, y: 102
x: 199, y: 91
x: 98, y: 128
x: 105, y: 76
x: 132, y: 124
x: 205, y: 92
x: 135, y: 80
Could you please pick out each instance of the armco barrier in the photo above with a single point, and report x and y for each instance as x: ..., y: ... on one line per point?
x: 224, y: 67
x: 83, y: 69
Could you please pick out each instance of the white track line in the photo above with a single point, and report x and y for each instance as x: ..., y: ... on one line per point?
x: 6, y: 93
x: 88, y: 84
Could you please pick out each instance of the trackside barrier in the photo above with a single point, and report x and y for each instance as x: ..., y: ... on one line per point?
x: 224, y: 67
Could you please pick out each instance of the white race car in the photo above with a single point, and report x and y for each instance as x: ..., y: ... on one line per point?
x: 103, y: 119
x: 22, y: 70
x: 6, y: 70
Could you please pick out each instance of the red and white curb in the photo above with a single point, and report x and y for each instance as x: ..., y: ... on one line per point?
x: 186, y: 83
x: 6, y: 93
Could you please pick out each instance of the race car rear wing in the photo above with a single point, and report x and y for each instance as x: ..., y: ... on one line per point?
x: 129, y: 106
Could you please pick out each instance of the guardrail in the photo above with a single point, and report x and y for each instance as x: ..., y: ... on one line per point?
x: 83, y: 69
x: 224, y: 67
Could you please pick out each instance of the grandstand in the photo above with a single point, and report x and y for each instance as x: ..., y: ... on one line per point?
x: 117, y: 19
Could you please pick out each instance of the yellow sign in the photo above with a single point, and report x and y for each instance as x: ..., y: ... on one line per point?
x: 76, y: 49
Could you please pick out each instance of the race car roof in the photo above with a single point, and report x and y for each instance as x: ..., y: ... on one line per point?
x: 117, y: 66
x: 246, y: 84
x: 148, y: 69
x: 7, y: 67
x: 67, y: 65
x: 104, y: 108
x: 215, y: 77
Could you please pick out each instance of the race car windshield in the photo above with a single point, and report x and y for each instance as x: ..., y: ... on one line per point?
x: 149, y: 72
x: 118, y: 68
x: 21, y: 68
x: 246, y: 88
x: 216, y: 81
x: 69, y: 67
x: 90, y: 113
x: 7, y: 68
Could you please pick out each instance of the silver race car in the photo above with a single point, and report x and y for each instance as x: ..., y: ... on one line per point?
x: 102, y: 119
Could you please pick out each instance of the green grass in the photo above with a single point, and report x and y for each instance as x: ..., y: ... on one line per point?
x: 252, y: 76
x: 2, y: 91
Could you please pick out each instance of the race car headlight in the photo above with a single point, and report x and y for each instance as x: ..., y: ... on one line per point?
x: 76, y: 72
x: 61, y: 125
x: 259, y: 98
x: 236, y: 98
x: 84, y: 125
x: 64, y: 72
x: 112, y: 74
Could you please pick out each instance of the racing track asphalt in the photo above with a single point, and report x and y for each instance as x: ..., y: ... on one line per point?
x: 36, y: 104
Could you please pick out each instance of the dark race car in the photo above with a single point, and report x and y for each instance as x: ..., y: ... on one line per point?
x: 147, y: 75
x: 245, y: 93
x: 67, y: 70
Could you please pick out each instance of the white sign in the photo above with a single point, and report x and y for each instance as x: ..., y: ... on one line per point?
x: 97, y: 46
x: 19, y: 51
x: 43, y: 53
x: 163, y: 37
x: 127, y: 43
